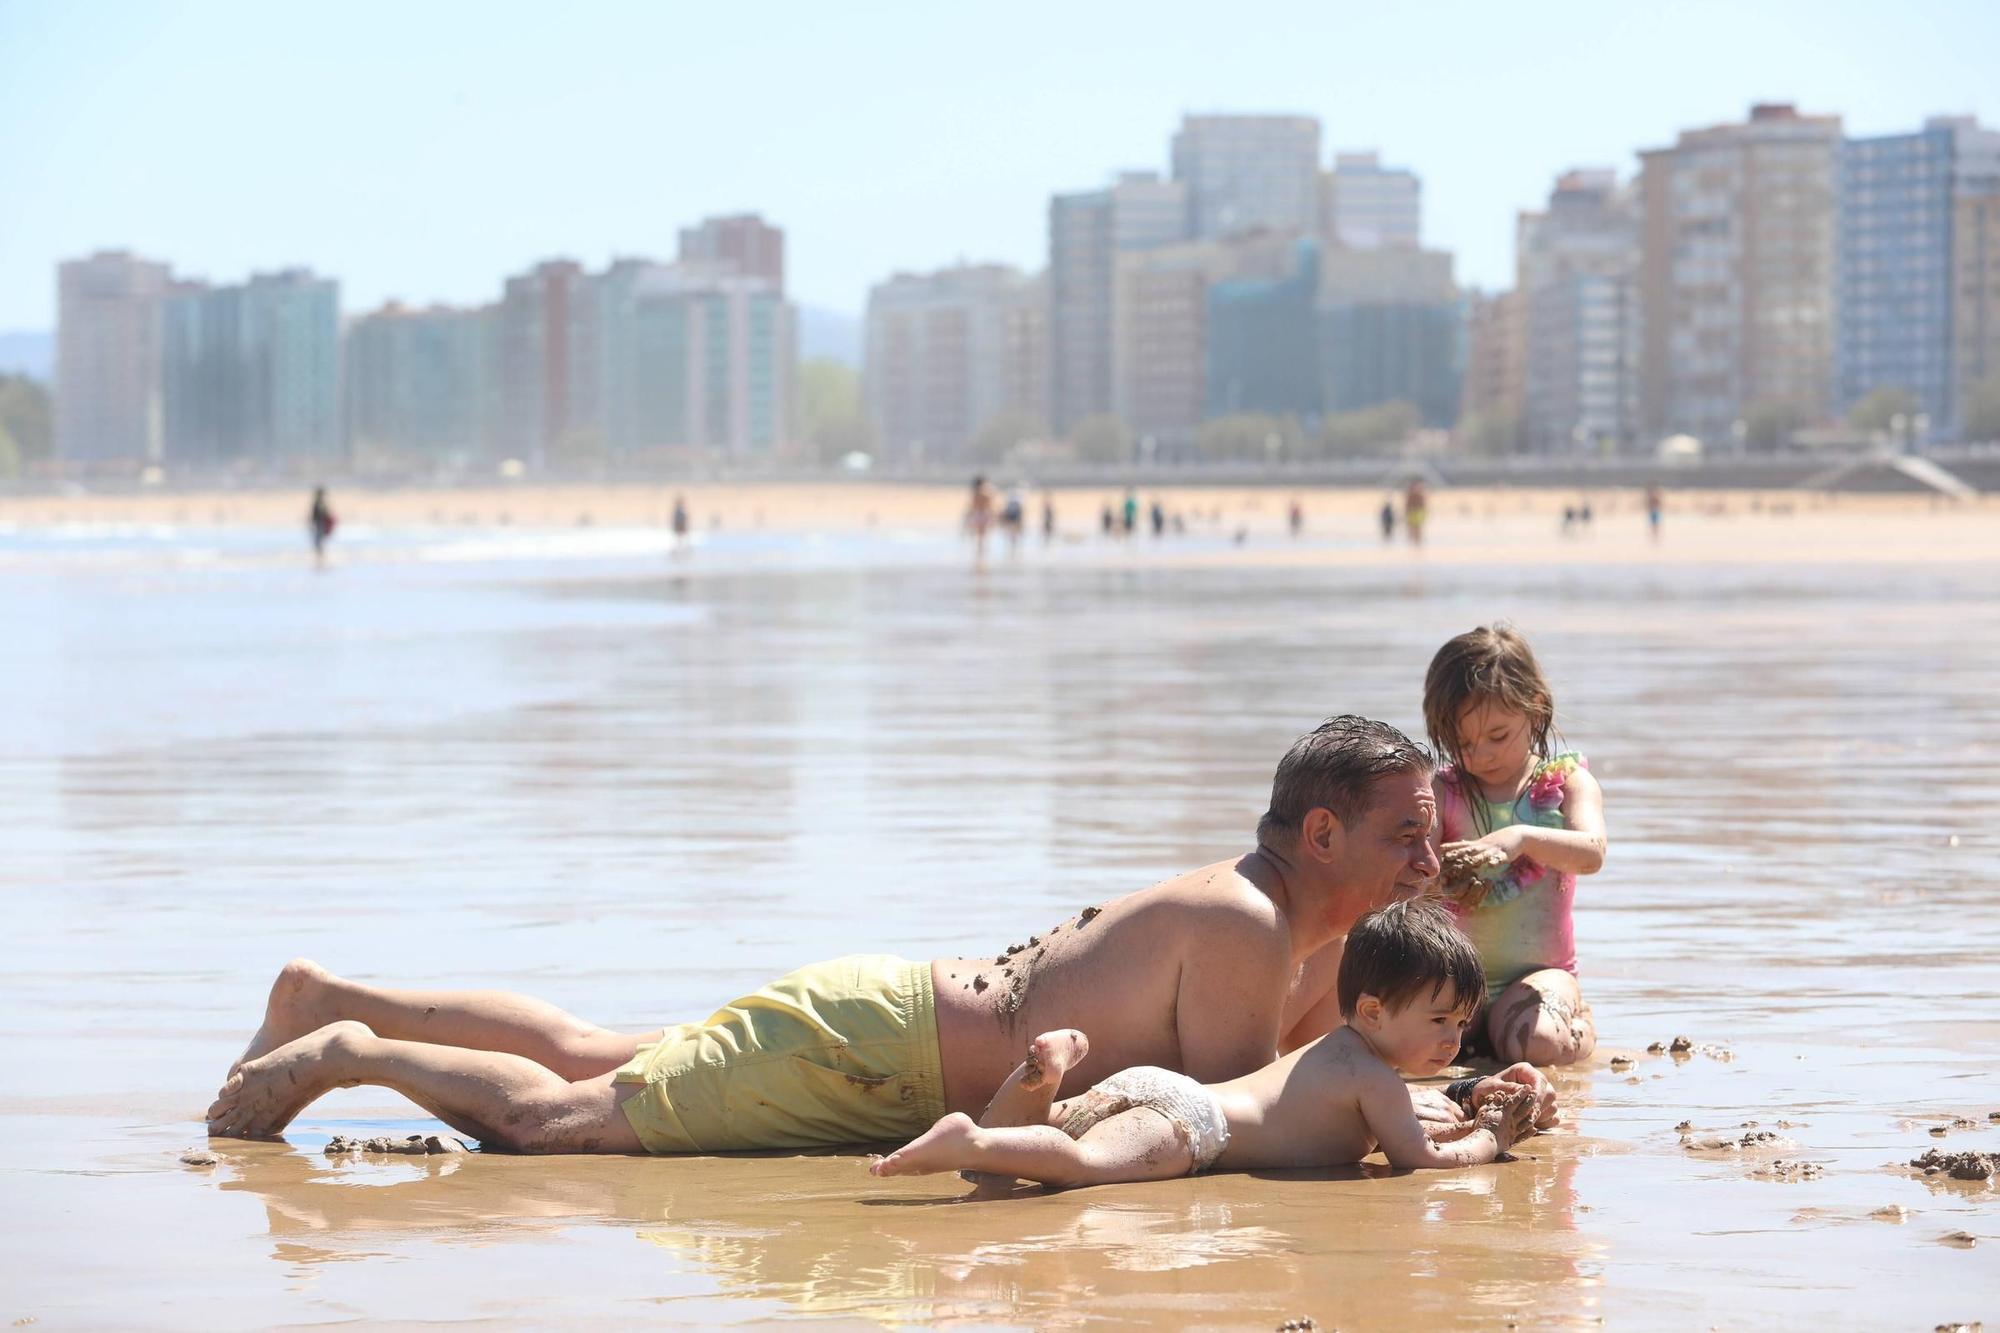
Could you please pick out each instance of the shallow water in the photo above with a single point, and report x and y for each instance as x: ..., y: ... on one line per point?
x: 567, y: 765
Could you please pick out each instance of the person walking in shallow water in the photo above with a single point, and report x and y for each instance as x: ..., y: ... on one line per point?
x: 320, y: 522
x: 1213, y: 973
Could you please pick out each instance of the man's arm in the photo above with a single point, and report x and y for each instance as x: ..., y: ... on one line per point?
x: 1234, y: 970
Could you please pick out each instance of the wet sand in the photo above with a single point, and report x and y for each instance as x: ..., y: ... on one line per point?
x: 640, y: 786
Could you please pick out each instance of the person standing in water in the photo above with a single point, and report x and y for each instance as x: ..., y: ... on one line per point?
x: 1655, y: 502
x: 680, y: 523
x: 1416, y: 508
x: 320, y: 522
x: 1048, y: 517
x: 1295, y: 518
x: 979, y: 517
x: 1388, y: 519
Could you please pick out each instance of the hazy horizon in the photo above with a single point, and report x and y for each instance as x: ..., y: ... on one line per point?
x: 425, y: 154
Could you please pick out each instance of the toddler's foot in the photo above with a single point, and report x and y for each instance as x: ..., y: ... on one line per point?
x: 945, y: 1146
x: 1052, y: 1055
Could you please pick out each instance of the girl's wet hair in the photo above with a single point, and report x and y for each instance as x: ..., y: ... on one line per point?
x: 1406, y: 951
x: 1492, y: 664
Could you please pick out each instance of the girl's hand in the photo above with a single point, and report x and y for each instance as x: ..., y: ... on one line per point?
x: 1459, y: 867
x: 1477, y: 856
x: 1509, y: 842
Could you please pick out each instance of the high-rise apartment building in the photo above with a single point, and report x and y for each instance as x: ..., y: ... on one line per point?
x: 1261, y: 353
x: 546, y: 332
x: 421, y: 385
x: 1975, y: 233
x: 1367, y: 206
x: 1248, y: 173
x: 692, y: 357
x: 1087, y: 233
x: 1898, y: 280
x: 250, y: 374
x: 108, y: 412
x: 1389, y: 331
x: 942, y: 358
x: 741, y: 243
x: 1737, y: 277
x: 1163, y: 358
x: 1496, y: 370
x: 1578, y: 276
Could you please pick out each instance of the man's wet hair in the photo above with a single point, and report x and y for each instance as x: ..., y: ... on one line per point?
x: 1335, y: 766
x: 1409, y: 951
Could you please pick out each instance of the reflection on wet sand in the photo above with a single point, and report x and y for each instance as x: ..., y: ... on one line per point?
x: 816, y: 1235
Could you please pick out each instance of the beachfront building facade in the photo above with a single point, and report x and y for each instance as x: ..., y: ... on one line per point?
x: 250, y: 374
x: 108, y: 413
x: 1367, y: 206
x: 1737, y: 279
x: 1389, y: 327
x: 421, y: 386
x: 1975, y: 336
x: 742, y: 244
x: 543, y: 331
x: 1495, y: 385
x: 942, y: 358
x: 1160, y: 334
x: 691, y: 358
x: 1578, y: 276
x: 1260, y: 355
x: 1088, y: 230
x: 1900, y: 288
x: 1248, y: 173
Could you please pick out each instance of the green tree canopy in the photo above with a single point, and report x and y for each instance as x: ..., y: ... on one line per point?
x: 24, y: 416
x: 1982, y: 413
x: 1249, y: 435
x: 1879, y: 410
x: 1492, y: 432
x: 1369, y: 429
x: 1101, y: 439
x: 832, y: 423
x: 1002, y: 435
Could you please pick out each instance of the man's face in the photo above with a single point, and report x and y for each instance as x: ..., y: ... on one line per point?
x: 1389, y: 853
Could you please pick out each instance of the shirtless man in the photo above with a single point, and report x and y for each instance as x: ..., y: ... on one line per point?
x: 1212, y: 974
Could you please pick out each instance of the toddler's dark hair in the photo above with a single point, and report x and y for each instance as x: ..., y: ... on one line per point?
x: 1406, y: 951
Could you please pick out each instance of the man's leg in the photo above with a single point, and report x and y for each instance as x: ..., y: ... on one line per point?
x: 306, y: 997
x: 504, y: 1101
x: 1543, y: 1020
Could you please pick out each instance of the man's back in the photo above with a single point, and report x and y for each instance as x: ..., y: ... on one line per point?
x: 1190, y: 974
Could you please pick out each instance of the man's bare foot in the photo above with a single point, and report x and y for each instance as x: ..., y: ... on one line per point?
x: 264, y: 1094
x: 945, y: 1146
x: 295, y: 1007
x: 1052, y: 1055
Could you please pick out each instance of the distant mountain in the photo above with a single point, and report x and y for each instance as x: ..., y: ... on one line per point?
x: 829, y: 335
x: 25, y: 352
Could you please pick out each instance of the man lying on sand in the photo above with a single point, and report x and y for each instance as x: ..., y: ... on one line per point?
x: 1209, y: 974
x: 1410, y: 982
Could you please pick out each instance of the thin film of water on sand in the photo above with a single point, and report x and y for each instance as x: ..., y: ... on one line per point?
x: 640, y: 794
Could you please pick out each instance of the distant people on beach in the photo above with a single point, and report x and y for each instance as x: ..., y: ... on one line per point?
x: 1409, y: 984
x: 1387, y: 518
x: 1158, y: 517
x: 320, y: 523
x: 1130, y: 513
x: 1416, y: 508
x: 1295, y: 518
x: 1048, y: 517
x: 979, y: 517
x: 1107, y: 519
x: 1014, y: 519
x: 1213, y: 974
x: 1655, y: 505
x: 680, y: 522
x: 1519, y: 820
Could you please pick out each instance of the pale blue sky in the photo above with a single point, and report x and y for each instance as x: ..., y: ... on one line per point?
x: 424, y: 150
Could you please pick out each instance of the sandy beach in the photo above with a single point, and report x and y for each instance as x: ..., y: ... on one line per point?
x: 507, y: 739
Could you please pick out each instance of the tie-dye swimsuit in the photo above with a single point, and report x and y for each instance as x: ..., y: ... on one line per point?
x: 1523, y: 923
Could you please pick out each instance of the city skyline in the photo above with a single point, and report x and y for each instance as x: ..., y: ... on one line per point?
x: 469, y: 168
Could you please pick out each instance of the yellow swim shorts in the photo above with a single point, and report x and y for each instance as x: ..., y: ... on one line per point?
x: 839, y: 1052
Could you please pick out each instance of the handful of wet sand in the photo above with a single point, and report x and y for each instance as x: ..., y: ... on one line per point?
x: 1458, y: 874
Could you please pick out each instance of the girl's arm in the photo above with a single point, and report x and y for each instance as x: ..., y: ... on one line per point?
x: 1577, y: 848
x: 1392, y: 1122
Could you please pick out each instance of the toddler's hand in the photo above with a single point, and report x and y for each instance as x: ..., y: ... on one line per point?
x: 1509, y: 1116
